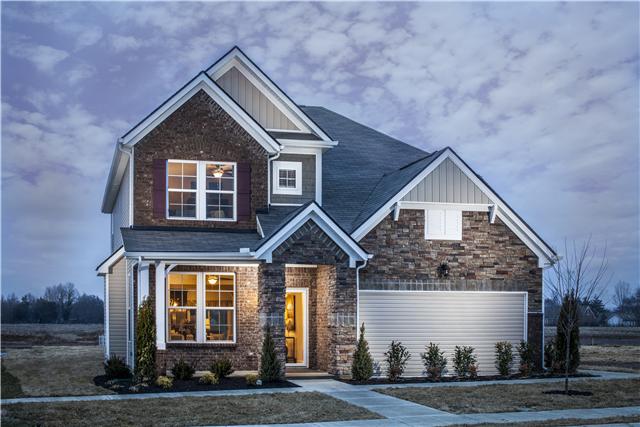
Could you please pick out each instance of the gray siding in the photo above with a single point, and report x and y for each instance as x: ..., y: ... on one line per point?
x: 308, y: 179
x: 118, y: 308
x: 253, y: 101
x: 120, y: 214
x: 478, y: 319
x: 446, y: 184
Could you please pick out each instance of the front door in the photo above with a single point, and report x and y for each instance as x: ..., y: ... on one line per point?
x: 295, y: 324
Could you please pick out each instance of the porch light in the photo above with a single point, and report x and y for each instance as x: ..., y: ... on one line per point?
x: 212, y: 280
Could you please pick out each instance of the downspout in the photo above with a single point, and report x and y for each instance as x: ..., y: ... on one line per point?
x: 271, y: 158
x: 364, y: 264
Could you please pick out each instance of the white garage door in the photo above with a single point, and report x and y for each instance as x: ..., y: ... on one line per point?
x: 478, y: 319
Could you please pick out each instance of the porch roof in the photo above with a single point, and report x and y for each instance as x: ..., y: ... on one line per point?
x: 138, y: 239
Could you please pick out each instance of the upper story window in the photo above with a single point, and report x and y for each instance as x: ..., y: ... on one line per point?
x: 287, y: 178
x: 201, y: 190
x: 443, y: 224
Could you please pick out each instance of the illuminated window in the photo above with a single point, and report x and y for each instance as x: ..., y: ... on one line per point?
x: 182, y: 307
x: 220, y: 307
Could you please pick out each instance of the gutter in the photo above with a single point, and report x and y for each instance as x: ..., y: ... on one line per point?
x: 269, y: 160
x: 364, y: 264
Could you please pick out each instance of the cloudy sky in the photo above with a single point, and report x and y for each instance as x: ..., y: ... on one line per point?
x: 541, y: 99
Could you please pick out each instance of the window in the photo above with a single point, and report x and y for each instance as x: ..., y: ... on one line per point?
x: 201, y: 190
x: 287, y: 178
x: 441, y: 224
x: 201, y: 307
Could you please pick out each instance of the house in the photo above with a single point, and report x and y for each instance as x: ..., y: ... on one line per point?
x: 233, y: 208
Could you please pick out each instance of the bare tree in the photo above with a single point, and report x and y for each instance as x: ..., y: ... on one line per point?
x: 621, y: 292
x: 580, y: 275
x: 63, y: 295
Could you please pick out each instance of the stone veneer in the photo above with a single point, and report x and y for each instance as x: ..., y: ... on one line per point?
x: 199, y: 130
x: 490, y: 257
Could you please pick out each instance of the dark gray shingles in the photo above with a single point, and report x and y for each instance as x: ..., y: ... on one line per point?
x: 354, y: 168
x: 172, y: 240
x: 277, y: 217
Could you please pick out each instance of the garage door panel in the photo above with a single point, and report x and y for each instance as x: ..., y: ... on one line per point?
x: 479, y: 319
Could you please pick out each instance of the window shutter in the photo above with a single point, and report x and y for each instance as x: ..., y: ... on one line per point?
x: 244, y: 191
x: 159, y: 196
x: 453, y: 224
x: 435, y: 223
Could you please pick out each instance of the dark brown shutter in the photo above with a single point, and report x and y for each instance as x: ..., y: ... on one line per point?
x: 244, y: 191
x: 159, y: 188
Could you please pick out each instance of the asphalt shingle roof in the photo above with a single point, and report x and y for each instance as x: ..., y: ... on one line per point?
x: 174, y: 240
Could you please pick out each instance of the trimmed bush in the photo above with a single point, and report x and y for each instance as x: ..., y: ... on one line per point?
x: 252, y: 379
x: 270, y: 366
x: 115, y: 367
x: 526, y: 358
x: 434, y: 361
x: 222, y: 368
x: 362, y: 366
x: 464, y: 361
x: 504, y: 357
x: 209, y: 378
x: 164, y: 382
x: 146, y: 342
x: 574, y: 339
x: 396, y: 358
x: 182, y: 370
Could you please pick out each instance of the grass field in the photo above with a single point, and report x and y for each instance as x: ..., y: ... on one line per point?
x: 297, y: 407
x: 597, y: 335
x: 522, y: 397
x: 25, y: 335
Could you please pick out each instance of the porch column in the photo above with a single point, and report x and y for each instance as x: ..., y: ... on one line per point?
x: 143, y: 281
x: 160, y: 306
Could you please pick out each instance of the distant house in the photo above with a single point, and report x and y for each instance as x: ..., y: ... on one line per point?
x: 617, y: 320
x: 233, y: 208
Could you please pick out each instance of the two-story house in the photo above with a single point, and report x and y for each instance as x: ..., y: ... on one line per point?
x: 233, y: 208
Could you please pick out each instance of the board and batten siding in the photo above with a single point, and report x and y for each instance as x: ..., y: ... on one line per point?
x: 446, y: 184
x: 120, y: 214
x: 308, y: 179
x: 256, y: 103
x: 478, y: 319
x: 117, y: 285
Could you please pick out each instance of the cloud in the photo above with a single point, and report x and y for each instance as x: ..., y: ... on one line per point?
x: 79, y: 72
x: 121, y: 43
x: 43, y: 57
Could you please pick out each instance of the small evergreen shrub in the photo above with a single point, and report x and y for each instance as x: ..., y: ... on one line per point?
x: 549, y: 354
x: 464, y: 361
x: 434, y: 361
x: 567, y: 309
x: 252, y: 379
x: 146, y: 342
x: 222, y: 368
x: 526, y: 358
x: 270, y: 365
x: 115, y: 367
x: 362, y: 366
x: 396, y: 358
x: 164, y: 382
x: 182, y: 370
x: 209, y: 378
x: 504, y: 357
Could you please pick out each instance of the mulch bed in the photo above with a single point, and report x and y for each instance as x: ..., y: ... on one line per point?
x: 127, y: 386
x: 451, y: 379
x: 571, y: 392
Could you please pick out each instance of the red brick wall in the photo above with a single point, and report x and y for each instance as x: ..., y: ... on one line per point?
x: 199, y: 130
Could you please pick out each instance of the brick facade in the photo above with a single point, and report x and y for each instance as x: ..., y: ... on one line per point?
x: 199, y: 130
x: 490, y: 257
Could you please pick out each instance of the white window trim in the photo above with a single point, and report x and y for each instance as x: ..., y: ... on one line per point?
x: 201, y: 191
x: 444, y: 236
x: 201, y: 308
x: 283, y: 165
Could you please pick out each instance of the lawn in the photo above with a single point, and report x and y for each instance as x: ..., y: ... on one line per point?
x: 24, y: 335
x: 621, y: 358
x: 51, y: 371
x: 522, y: 397
x: 253, y: 409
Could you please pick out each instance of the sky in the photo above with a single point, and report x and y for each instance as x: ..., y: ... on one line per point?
x: 541, y: 99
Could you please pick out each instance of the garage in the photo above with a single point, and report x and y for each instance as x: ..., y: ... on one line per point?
x: 478, y: 319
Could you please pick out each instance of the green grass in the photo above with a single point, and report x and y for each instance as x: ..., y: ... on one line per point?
x: 10, y: 385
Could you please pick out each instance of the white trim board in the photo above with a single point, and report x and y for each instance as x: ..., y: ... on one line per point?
x: 104, y: 267
x: 305, y: 326
x: 545, y: 254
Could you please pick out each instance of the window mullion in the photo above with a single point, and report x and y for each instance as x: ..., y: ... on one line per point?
x: 200, y: 308
x: 201, y: 194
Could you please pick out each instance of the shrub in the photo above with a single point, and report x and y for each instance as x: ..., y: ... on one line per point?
x: 146, y: 342
x: 549, y: 354
x: 252, y: 379
x: 164, y: 382
x: 574, y: 338
x: 222, y: 368
x: 526, y: 357
x: 270, y: 366
x: 115, y: 367
x: 209, y: 378
x: 504, y: 357
x: 464, y: 361
x: 473, y: 371
x: 362, y: 366
x: 182, y: 370
x: 434, y: 361
x: 396, y: 357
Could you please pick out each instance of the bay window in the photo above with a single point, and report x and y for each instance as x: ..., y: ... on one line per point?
x: 201, y: 190
x: 201, y: 307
